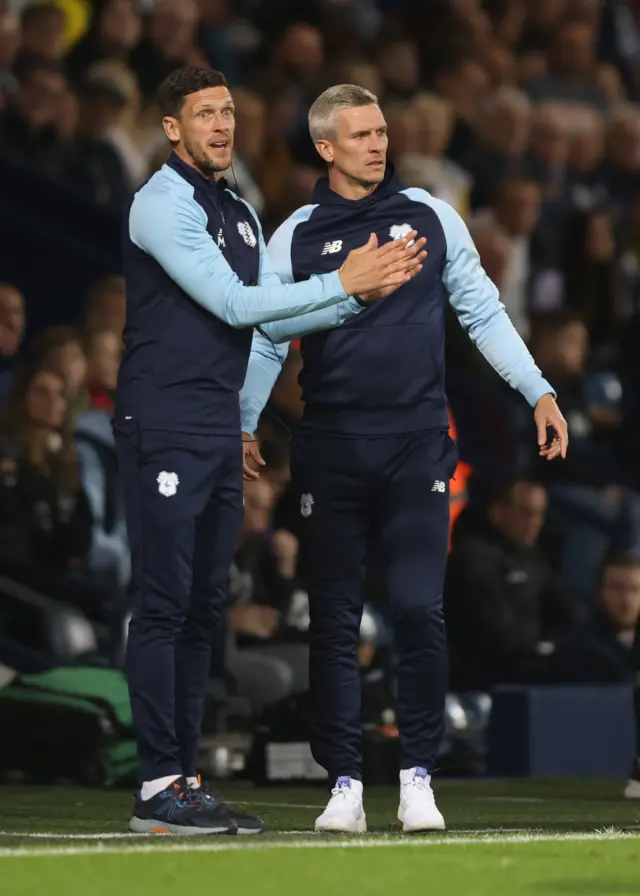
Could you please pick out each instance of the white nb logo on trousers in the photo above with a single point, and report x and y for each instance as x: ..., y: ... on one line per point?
x: 331, y: 247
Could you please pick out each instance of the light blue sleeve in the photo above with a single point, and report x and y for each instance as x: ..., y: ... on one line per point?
x: 277, y: 263
x: 475, y: 300
x: 266, y: 359
x: 167, y: 223
x: 271, y: 343
x: 265, y: 363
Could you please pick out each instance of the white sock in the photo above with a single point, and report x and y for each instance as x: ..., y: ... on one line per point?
x: 151, y: 788
x: 194, y: 782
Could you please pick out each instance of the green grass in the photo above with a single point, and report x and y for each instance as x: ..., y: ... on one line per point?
x: 490, y: 846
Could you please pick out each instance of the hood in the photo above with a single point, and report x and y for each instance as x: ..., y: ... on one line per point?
x: 392, y: 183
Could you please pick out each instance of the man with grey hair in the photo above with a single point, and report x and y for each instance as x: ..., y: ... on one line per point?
x: 372, y: 457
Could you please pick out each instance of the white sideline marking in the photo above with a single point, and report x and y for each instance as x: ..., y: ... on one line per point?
x: 351, y: 843
x: 281, y: 805
x: 130, y: 835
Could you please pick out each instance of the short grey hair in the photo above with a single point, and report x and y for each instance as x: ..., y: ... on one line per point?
x: 329, y: 104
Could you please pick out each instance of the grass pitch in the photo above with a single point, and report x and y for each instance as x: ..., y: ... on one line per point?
x: 541, y: 838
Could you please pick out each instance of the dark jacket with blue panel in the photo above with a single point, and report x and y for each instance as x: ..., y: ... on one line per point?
x: 382, y: 370
x: 198, y: 279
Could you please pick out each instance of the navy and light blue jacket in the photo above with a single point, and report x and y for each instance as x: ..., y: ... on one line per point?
x: 382, y: 370
x: 198, y: 279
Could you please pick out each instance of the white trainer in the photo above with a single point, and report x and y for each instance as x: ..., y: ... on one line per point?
x: 417, y: 810
x: 344, y: 812
x: 632, y: 789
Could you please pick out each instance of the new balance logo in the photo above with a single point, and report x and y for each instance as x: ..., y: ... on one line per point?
x: 439, y: 486
x: 331, y: 247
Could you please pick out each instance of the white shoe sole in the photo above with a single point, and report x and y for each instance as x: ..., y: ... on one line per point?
x: 632, y: 790
x: 431, y: 824
x: 334, y: 827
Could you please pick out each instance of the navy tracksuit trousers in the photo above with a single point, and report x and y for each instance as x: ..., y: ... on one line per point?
x: 349, y: 488
x: 184, y: 500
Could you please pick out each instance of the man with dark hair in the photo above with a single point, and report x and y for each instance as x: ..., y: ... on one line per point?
x: 198, y: 279
x: 373, y: 457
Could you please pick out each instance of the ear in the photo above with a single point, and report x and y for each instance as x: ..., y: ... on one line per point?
x: 325, y: 150
x: 171, y: 128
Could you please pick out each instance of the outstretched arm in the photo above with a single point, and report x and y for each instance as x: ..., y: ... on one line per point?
x: 171, y: 227
x: 475, y: 300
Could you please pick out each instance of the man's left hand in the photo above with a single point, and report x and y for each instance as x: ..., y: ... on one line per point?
x: 252, y: 460
x: 547, y: 414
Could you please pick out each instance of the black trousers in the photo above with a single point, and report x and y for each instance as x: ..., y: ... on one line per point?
x: 184, y: 501
x: 350, y: 488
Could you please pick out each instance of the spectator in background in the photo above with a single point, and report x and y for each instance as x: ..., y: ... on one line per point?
x: 251, y: 113
x: 127, y: 135
x: 464, y: 83
x: 573, y: 71
x: 585, y: 158
x: 43, y: 33
x: 358, y: 70
x: 28, y: 123
x: 399, y: 69
x: 589, y: 268
x: 104, y: 353
x: 277, y: 163
x: 106, y: 306
x: 169, y: 42
x: 549, y: 148
x: 428, y: 166
x: 215, y: 39
x: 9, y: 45
x: 547, y: 164
x: 116, y: 28
x: 503, y: 127
x: 622, y: 163
x: 592, y: 509
x: 97, y: 168
x: 46, y: 521
x: 402, y: 129
x: 297, y: 56
x: 501, y: 607
x: 263, y: 594
x: 516, y: 209
x: 607, y: 638
x: 61, y: 349
x: 12, y: 325
x: 296, y: 61
x: 109, y: 558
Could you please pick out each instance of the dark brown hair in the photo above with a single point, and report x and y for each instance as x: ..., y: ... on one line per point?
x: 184, y: 81
x: 60, y: 466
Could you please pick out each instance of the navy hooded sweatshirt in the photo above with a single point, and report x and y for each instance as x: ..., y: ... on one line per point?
x: 382, y: 370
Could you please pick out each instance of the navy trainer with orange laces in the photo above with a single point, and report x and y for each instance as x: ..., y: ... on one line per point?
x: 246, y: 824
x: 181, y: 810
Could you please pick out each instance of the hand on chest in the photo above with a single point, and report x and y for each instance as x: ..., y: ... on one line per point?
x: 323, y: 244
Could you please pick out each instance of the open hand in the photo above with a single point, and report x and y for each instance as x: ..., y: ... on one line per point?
x: 414, y: 267
x: 371, y: 267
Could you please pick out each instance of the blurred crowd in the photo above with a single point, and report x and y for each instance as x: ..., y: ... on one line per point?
x: 522, y: 115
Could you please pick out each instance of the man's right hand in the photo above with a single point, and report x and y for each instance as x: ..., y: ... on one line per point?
x: 371, y: 269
